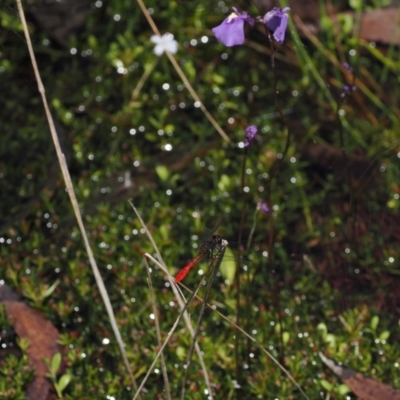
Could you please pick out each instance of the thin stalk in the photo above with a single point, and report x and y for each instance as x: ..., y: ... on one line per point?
x: 238, y: 270
x: 273, y: 173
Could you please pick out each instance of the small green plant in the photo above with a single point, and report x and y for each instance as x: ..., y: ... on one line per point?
x: 15, y: 369
x: 65, y: 379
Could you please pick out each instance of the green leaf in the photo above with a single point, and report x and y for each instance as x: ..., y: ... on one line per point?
x: 92, y: 41
x: 10, y: 21
x: 326, y: 385
x: 63, y: 382
x: 326, y: 23
x: 330, y: 339
x: 384, y: 335
x: 219, y: 79
x: 278, y: 329
x: 162, y: 172
x: 224, y: 182
x: 374, y: 322
x: 155, y: 122
x: 141, y: 371
x: 180, y: 352
x: 55, y: 363
x: 23, y: 343
x: 228, y: 266
x: 355, y: 4
x: 285, y: 337
x: 164, y: 232
x: 342, y: 389
x: 56, y: 103
x: 47, y: 292
x: 346, y: 24
x: 189, y: 69
x: 323, y: 329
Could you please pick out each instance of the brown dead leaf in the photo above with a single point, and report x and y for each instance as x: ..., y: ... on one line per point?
x: 381, y: 26
x: 32, y: 325
x: 363, y: 387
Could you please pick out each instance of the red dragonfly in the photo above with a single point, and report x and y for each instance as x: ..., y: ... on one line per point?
x: 206, y: 249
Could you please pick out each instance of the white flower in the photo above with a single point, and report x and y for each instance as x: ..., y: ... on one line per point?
x: 163, y: 43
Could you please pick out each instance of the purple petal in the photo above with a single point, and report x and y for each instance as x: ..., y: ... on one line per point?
x: 230, y: 32
x: 347, y: 67
x: 279, y: 33
x: 269, y: 15
x: 251, y: 132
x: 262, y: 206
x: 276, y: 21
x: 347, y: 89
x: 245, y: 16
x: 248, y: 18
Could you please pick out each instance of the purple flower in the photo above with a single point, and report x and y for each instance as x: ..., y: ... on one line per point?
x: 347, y: 67
x: 231, y: 31
x: 276, y: 21
x: 346, y: 89
x: 251, y: 132
x: 262, y: 206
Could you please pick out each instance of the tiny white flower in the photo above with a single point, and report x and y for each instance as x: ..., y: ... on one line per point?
x: 163, y: 43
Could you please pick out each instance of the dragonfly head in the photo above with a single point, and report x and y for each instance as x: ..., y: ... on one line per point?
x: 218, y: 241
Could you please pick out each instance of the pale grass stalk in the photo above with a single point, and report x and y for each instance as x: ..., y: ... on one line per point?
x: 157, y: 324
x: 183, y: 76
x: 179, y: 299
x: 72, y: 196
x: 258, y: 344
x: 160, y: 351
